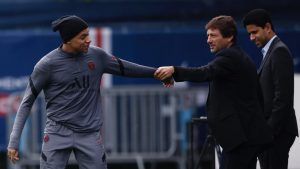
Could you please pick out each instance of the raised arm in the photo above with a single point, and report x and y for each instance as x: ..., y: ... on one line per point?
x: 122, y: 67
x: 221, y: 66
x: 116, y: 66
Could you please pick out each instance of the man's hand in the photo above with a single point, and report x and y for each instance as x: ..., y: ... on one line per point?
x: 13, y: 155
x: 168, y: 82
x: 163, y: 73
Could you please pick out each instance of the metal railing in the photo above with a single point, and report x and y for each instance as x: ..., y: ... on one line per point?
x: 140, y: 124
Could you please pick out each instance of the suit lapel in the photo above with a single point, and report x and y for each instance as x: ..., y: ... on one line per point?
x: 267, y: 54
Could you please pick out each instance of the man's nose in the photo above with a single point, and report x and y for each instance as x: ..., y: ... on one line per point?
x: 252, y: 37
x: 208, y: 40
x: 88, y: 40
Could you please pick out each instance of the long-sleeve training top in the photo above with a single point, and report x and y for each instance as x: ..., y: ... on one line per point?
x: 71, y: 85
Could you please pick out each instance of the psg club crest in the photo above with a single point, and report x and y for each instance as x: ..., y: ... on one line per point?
x: 46, y: 138
x: 91, y: 65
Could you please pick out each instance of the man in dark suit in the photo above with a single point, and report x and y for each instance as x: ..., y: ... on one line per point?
x: 233, y: 109
x: 276, y: 77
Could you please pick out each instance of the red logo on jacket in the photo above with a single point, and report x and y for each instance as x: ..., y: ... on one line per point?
x: 46, y: 138
x: 91, y: 65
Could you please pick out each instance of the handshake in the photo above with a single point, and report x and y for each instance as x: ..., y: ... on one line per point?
x: 165, y: 75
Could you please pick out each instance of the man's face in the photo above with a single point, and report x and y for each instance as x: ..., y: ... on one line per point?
x: 81, y: 42
x: 216, y: 41
x: 257, y: 34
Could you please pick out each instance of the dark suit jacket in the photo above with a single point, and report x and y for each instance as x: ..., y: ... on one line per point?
x: 276, y: 77
x: 234, y: 113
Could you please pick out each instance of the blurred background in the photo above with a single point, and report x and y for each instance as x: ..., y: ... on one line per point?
x: 146, y: 126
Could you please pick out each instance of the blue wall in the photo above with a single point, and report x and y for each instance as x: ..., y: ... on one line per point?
x: 20, y: 50
x: 40, y: 13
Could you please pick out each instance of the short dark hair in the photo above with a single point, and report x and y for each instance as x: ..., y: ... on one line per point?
x: 258, y: 17
x: 225, y: 24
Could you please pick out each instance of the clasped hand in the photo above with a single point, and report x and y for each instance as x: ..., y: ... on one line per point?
x: 164, y: 74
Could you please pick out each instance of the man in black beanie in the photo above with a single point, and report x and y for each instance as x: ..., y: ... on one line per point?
x: 69, y: 26
x: 70, y: 77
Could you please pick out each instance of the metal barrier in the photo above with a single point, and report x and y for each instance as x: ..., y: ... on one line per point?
x: 140, y: 125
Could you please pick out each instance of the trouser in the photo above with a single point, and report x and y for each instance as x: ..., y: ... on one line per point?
x: 60, y: 141
x: 277, y: 155
x: 242, y: 157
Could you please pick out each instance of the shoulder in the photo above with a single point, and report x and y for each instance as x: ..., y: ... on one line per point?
x: 236, y: 57
x: 96, y: 50
x: 279, y: 45
x: 98, y: 54
x: 230, y: 52
x: 233, y: 53
x: 280, y: 50
x: 46, y: 61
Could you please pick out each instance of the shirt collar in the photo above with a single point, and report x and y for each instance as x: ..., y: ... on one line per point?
x: 265, y: 49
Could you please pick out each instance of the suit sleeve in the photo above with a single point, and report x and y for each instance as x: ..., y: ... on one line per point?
x: 37, y: 80
x: 122, y: 67
x: 221, y: 66
x: 283, y: 80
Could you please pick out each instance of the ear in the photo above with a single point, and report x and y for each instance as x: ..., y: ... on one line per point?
x: 230, y: 39
x: 268, y: 27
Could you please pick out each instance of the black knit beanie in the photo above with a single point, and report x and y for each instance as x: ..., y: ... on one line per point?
x: 69, y: 26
